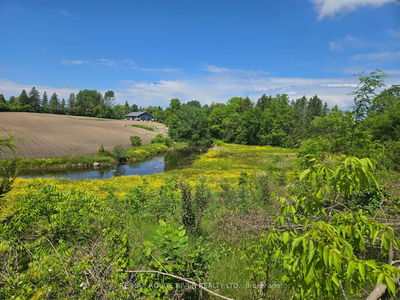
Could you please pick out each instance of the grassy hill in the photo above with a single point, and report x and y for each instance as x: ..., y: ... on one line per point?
x: 48, y: 135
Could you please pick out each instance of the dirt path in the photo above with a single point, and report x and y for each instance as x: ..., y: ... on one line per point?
x: 48, y: 135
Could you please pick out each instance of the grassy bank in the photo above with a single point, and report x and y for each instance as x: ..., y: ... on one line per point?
x: 143, y: 127
x: 133, y: 154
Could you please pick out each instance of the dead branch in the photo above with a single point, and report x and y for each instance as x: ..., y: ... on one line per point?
x: 179, y: 278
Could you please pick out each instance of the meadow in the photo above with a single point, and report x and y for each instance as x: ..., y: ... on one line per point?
x: 226, y: 172
x: 238, y: 223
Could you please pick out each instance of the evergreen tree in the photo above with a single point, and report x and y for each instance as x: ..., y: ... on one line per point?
x: 71, y: 104
x: 12, y: 100
x: 23, y: 99
x: 34, y: 100
x: 63, y: 106
x: 45, y: 103
x: 2, y: 99
x: 54, y: 105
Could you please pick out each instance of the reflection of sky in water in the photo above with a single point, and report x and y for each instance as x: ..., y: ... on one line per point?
x: 169, y: 161
x: 155, y: 165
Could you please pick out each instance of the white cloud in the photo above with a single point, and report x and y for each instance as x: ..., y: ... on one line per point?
x: 74, y: 62
x: 330, y: 8
x: 378, y: 56
x: 11, y: 88
x: 222, y: 70
x: 220, y: 87
x: 394, y: 33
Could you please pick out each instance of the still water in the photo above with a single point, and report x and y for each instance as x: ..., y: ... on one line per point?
x: 176, y: 159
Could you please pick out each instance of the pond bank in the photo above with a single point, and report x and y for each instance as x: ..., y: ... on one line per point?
x: 89, y: 162
x: 167, y: 161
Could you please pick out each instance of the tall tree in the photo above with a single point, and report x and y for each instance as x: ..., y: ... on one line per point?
x: 71, y: 104
x: 45, y: 103
x: 366, y: 91
x: 54, y: 105
x: 23, y: 99
x: 109, y: 98
x: 63, y: 106
x: 34, y: 100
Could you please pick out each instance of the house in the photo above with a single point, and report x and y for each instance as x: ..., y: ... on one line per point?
x: 139, y: 116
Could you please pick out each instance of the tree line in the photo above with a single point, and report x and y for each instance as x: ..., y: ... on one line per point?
x: 90, y: 103
x: 371, y: 128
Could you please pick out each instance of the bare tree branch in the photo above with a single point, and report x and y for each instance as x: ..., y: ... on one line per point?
x: 180, y: 278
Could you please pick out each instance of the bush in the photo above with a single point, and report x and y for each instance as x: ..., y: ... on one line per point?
x: 119, y: 153
x: 103, y: 152
x: 135, y: 141
x: 160, y: 139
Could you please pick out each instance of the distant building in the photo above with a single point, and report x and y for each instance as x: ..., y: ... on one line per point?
x: 139, y: 116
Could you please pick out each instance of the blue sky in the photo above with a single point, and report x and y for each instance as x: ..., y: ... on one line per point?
x: 151, y: 51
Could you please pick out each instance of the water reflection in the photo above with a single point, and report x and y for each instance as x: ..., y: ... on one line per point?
x: 171, y: 160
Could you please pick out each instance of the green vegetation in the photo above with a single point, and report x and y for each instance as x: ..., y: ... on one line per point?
x: 247, y: 217
x: 143, y: 127
x: 256, y: 222
x: 135, y: 141
x: 161, y: 139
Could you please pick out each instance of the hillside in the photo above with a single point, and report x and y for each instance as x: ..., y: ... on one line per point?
x: 48, y: 135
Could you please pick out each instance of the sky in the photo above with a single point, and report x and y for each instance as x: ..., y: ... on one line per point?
x: 149, y: 52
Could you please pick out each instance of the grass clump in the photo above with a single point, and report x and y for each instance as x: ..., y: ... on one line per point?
x: 143, y: 127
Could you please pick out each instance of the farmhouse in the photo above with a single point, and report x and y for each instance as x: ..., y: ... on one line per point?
x: 139, y: 116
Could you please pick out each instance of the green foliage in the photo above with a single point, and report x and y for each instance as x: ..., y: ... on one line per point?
x: 170, y: 251
x: 161, y: 139
x: 64, y: 244
x: 103, y: 152
x: 119, y: 153
x: 9, y: 170
x: 329, y: 255
x: 135, y: 141
x: 188, y: 123
x: 143, y: 127
x: 263, y: 260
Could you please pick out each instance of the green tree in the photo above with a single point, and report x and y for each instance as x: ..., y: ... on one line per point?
x: 366, y: 91
x: 71, y: 104
x: 276, y: 121
x: 89, y: 103
x: 45, y: 102
x: 54, y: 105
x: 23, y: 100
x: 34, y: 100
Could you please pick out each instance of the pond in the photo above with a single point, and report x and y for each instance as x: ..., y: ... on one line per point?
x: 176, y: 159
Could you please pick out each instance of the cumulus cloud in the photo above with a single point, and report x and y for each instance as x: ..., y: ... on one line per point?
x: 11, y: 88
x: 330, y: 8
x: 220, y: 87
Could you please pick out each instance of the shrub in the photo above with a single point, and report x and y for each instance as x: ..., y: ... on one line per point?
x: 135, y: 141
x: 119, y: 153
x: 160, y: 139
x: 103, y: 152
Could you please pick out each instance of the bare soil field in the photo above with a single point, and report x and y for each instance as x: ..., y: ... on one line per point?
x: 48, y: 135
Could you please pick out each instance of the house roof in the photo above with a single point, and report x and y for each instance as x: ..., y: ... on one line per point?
x: 136, y: 113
